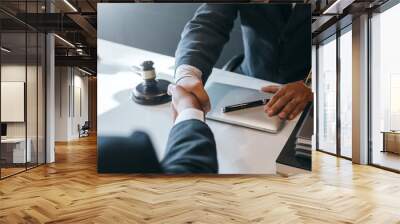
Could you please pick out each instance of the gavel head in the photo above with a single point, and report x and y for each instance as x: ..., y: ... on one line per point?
x: 151, y: 91
x: 148, y: 72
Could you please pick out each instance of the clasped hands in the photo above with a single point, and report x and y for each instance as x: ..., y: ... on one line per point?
x: 287, y: 101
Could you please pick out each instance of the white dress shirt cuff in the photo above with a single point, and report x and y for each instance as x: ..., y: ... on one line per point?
x: 186, y: 71
x: 189, y: 114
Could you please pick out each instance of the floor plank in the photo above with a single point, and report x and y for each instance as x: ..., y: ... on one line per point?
x: 71, y: 191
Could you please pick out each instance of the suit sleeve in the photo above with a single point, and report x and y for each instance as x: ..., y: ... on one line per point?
x: 191, y: 148
x: 204, y: 36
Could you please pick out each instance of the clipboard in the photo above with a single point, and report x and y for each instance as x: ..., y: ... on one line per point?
x: 222, y: 95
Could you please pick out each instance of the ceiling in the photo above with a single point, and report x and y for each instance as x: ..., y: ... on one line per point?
x: 74, y: 22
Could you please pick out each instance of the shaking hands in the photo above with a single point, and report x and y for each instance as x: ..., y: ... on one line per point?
x: 182, y: 100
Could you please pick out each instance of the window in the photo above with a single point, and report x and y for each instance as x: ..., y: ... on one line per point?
x: 327, y: 95
x: 334, y: 106
x: 346, y: 92
x: 385, y: 89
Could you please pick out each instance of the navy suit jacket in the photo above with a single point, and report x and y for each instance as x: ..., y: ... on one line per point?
x: 277, y: 39
x: 190, y: 149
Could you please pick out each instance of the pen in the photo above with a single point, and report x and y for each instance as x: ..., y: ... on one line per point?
x: 241, y: 106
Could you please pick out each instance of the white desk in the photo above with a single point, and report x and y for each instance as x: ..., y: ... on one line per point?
x: 19, y: 152
x: 240, y: 150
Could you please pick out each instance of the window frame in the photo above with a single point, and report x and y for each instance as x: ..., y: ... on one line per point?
x: 333, y: 37
x: 27, y: 29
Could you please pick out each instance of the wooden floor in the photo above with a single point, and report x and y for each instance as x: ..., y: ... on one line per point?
x: 70, y: 191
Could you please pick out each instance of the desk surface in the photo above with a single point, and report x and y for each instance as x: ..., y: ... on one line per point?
x: 240, y: 150
x: 13, y: 140
x: 390, y: 132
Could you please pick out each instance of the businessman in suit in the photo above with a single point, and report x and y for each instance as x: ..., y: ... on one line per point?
x: 277, y: 48
x: 190, y: 148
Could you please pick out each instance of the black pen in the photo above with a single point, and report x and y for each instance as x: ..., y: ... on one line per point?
x: 241, y: 106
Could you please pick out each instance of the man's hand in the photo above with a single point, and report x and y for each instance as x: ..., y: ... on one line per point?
x: 194, y: 86
x: 288, y: 100
x: 181, y: 100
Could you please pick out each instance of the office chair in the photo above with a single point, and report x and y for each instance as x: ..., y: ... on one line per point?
x: 84, y: 130
x: 233, y: 63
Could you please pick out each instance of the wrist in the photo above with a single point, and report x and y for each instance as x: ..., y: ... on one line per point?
x: 177, y: 80
x: 184, y: 71
x: 189, y: 114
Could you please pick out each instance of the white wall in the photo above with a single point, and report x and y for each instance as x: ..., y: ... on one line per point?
x: 70, y: 83
x: 166, y: 21
x: 79, y: 117
x: 62, y: 81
